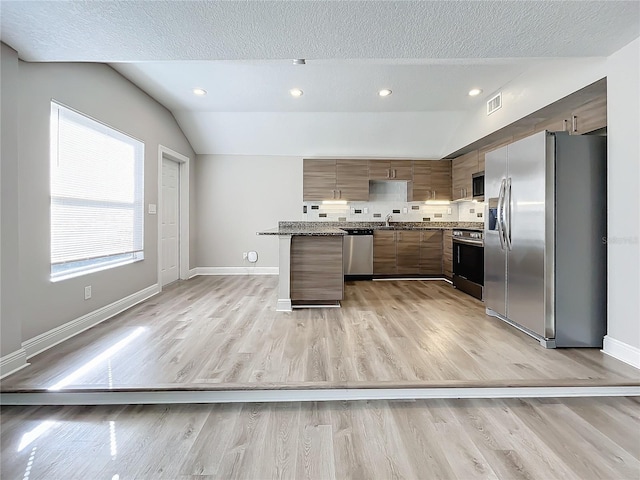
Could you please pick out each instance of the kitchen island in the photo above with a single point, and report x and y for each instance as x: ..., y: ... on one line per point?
x: 311, y: 257
x: 310, y: 266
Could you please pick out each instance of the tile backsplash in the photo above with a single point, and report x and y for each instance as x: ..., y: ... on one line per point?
x: 401, y: 211
x: 391, y: 198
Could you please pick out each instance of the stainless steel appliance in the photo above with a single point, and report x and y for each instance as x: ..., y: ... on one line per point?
x: 477, y: 186
x: 468, y: 261
x: 357, y: 253
x: 545, y: 259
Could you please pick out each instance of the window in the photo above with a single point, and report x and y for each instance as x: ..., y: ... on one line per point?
x: 97, y: 206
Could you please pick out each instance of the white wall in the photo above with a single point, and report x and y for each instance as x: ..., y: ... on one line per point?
x: 10, y: 325
x: 100, y: 92
x: 332, y: 134
x: 623, y: 118
x: 239, y: 195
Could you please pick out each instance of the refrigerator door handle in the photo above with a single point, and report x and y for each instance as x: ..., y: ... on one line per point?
x: 507, y: 216
x: 500, y: 213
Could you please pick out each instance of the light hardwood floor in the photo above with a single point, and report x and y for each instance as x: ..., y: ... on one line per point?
x: 580, y: 438
x: 224, y: 330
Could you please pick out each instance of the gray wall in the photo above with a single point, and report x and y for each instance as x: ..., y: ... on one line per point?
x: 239, y: 195
x: 10, y: 325
x: 100, y: 92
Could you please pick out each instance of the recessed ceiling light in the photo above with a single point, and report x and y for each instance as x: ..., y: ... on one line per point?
x: 296, y: 92
x: 299, y: 61
x: 199, y: 91
x: 475, y: 91
x: 385, y: 92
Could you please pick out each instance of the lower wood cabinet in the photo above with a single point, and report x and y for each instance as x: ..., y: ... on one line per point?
x: 447, y: 254
x: 407, y: 252
x: 431, y: 252
x: 384, y: 252
x: 316, y: 268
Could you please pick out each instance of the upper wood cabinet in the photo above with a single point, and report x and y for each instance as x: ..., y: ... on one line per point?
x: 431, y: 180
x: 352, y: 180
x: 462, y: 168
x: 390, y: 169
x: 335, y: 180
x: 589, y: 117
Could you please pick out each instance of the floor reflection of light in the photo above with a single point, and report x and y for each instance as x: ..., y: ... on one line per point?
x: 29, y: 437
x: 112, y: 439
x: 110, y: 373
x: 115, y: 477
x: 108, y: 353
x: 27, y: 471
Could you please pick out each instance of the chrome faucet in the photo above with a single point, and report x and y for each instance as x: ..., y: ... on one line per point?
x: 388, y: 219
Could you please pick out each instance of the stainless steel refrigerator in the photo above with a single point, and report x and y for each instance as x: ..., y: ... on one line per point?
x: 544, y: 239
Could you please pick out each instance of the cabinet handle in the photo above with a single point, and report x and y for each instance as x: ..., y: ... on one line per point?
x: 339, y: 193
x: 388, y: 173
x: 574, y: 124
x: 433, y: 194
x: 394, y: 173
x: 334, y: 194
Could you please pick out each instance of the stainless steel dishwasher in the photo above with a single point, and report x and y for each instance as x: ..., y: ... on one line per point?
x: 357, y: 254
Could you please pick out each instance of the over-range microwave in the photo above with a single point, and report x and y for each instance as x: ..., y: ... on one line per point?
x: 478, y: 186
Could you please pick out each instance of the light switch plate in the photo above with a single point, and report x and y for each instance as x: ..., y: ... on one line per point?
x: 152, y: 209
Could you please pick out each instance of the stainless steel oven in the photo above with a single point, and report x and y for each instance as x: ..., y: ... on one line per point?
x: 468, y: 262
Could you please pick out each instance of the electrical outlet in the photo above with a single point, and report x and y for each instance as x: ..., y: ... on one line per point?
x: 365, y: 210
x: 449, y: 211
x: 244, y: 255
x: 87, y: 292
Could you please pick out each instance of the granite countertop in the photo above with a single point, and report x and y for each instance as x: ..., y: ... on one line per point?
x: 305, y: 230
x: 479, y: 226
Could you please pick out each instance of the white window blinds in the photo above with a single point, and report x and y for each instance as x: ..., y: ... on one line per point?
x: 97, y: 206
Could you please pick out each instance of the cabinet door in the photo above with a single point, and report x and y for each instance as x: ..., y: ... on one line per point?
x: 401, y: 169
x: 589, y: 117
x: 316, y: 268
x: 352, y: 180
x: 318, y: 180
x: 421, y: 184
x: 431, y: 252
x: 379, y: 170
x: 408, y: 252
x: 462, y: 168
x: 384, y: 252
x: 441, y: 179
x: 447, y: 254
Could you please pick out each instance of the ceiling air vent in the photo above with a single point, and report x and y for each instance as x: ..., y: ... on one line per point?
x: 494, y: 103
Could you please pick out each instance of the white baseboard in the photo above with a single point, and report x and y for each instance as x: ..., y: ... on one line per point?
x: 236, y: 271
x: 13, y: 362
x: 192, y: 273
x: 46, y: 340
x: 622, y: 351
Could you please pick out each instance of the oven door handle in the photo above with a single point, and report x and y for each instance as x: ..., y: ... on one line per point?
x: 474, y: 243
x: 500, y: 213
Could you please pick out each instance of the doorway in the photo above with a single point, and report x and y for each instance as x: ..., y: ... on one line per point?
x: 173, y: 216
x: 170, y: 222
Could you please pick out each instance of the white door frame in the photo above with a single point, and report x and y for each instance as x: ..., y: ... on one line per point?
x: 183, y: 229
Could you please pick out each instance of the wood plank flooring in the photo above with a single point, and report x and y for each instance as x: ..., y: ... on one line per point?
x: 580, y: 438
x: 223, y: 330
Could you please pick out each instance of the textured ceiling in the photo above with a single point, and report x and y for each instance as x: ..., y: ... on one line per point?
x: 430, y: 53
x: 123, y: 31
